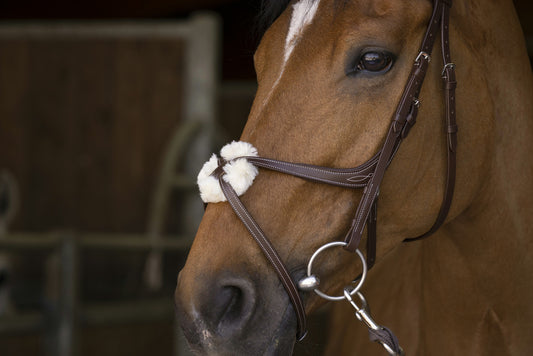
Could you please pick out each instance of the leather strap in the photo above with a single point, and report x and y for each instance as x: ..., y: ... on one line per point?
x: 450, y: 83
x: 357, y: 177
x: 267, y: 249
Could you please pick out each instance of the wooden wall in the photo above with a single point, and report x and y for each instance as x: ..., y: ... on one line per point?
x: 84, y: 121
x: 83, y: 124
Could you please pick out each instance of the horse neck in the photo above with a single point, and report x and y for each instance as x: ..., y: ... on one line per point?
x: 481, y: 261
x: 500, y: 213
x: 475, y: 271
x: 470, y: 282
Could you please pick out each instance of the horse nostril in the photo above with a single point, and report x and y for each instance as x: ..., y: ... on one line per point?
x: 233, y: 306
x: 213, y: 313
x: 231, y: 303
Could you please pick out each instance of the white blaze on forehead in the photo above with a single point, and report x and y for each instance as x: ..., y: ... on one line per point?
x: 303, y: 13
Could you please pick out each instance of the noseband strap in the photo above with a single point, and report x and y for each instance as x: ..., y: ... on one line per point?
x: 268, y: 250
x: 370, y: 174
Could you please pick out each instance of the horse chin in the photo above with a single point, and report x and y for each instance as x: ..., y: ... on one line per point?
x: 284, y: 338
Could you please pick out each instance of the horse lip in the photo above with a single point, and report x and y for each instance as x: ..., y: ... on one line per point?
x: 284, y: 338
x: 281, y: 343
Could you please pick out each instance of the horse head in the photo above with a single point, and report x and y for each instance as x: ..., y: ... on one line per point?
x: 330, y: 76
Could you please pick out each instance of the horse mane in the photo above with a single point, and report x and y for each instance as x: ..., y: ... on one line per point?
x: 271, y: 9
x: 269, y: 12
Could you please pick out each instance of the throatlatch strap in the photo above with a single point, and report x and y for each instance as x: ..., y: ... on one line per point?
x: 450, y: 83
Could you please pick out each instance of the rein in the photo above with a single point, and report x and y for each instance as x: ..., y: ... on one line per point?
x: 369, y: 176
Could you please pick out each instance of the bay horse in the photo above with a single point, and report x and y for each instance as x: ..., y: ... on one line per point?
x: 331, y: 73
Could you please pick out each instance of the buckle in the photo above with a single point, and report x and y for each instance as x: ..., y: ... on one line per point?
x: 426, y: 56
x: 446, y: 66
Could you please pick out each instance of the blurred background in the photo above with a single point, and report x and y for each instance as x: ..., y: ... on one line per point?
x: 107, y: 110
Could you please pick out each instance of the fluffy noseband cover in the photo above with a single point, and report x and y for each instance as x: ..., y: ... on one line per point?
x: 239, y: 173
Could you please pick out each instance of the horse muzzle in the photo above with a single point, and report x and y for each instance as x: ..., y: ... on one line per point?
x: 229, y: 316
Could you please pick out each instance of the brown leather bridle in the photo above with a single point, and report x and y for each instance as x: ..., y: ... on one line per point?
x: 370, y: 174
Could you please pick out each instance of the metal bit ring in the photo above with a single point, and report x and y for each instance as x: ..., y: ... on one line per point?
x: 355, y: 289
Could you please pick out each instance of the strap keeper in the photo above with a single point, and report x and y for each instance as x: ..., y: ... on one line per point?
x: 397, y: 125
x: 452, y: 129
x: 450, y: 85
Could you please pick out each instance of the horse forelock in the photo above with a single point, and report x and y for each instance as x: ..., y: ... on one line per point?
x: 271, y: 9
x: 302, y: 15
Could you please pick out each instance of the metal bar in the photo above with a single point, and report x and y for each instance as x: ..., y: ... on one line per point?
x: 67, y: 326
x: 201, y: 93
x: 93, y: 29
x: 112, y: 242
x: 28, y: 322
x: 126, y: 312
x: 30, y: 241
x: 167, y: 177
x: 96, y: 314
x: 48, y: 242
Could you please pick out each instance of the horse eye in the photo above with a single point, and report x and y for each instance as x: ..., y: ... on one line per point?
x: 374, y: 62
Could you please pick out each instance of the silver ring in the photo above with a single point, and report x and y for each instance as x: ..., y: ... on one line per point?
x: 333, y: 244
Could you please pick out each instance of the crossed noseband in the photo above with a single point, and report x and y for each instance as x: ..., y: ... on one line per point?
x: 225, y: 178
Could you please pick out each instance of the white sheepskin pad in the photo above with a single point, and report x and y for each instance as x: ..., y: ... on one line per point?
x: 240, y: 173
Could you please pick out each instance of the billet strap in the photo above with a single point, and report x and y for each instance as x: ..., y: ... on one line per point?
x: 267, y: 249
